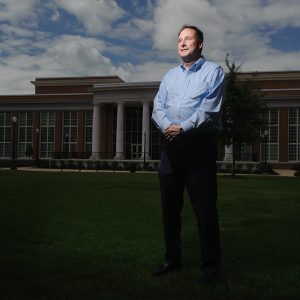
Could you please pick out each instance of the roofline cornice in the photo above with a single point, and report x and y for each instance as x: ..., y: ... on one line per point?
x: 65, y: 81
x: 125, y: 86
x: 272, y: 75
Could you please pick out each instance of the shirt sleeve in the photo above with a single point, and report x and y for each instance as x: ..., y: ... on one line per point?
x: 209, y: 112
x: 159, y: 115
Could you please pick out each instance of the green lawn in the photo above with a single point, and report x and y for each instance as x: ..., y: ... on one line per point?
x: 98, y: 236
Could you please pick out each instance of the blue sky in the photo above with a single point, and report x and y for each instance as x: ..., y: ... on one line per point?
x: 136, y: 39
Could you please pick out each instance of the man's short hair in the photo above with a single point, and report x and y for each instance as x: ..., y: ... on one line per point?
x: 198, y: 31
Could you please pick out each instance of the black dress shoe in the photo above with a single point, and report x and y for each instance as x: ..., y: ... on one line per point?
x: 166, y: 267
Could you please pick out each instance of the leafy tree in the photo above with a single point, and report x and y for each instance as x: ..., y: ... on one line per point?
x: 242, y: 111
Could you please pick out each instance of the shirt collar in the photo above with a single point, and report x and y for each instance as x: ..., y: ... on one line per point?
x: 195, y: 66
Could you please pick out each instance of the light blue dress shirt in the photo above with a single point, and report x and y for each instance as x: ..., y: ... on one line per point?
x: 190, y: 97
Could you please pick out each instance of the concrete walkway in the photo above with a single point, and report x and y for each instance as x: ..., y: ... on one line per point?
x: 285, y: 172
x: 281, y: 172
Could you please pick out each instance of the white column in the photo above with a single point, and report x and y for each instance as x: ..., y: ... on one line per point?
x: 96, y: 132
x: 120, y: 132
x: 145, y: 130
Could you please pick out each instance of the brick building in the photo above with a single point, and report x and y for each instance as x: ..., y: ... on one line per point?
x: 107, y: 118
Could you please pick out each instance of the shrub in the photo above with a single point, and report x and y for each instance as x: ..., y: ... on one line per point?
x: 265, y: 168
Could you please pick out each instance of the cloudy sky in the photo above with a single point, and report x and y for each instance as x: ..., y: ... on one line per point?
x: 137, y: 39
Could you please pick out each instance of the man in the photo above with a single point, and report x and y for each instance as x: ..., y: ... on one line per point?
x: 187, y: 110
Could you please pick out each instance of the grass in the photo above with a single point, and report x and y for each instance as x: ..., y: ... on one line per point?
x: 98, y: 236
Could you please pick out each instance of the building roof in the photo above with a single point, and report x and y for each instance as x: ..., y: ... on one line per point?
x: 55, y: 81
x: 270, y: 75
x: 126, y: 86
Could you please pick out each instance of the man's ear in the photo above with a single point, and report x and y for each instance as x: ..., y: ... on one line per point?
x: 201, y: 45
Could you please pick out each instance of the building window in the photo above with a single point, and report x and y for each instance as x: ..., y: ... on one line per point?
x: 47, y: 121
x: 70, y: 136
x: 88, y: 133
x: 245, y: 152
x: 25, y: 134
x: 269, y: 135
x: 133, y: 132
x: 5, y: 134
x: 294, y: 134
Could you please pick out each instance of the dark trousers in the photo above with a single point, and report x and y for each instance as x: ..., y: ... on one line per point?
x: 201, y: 184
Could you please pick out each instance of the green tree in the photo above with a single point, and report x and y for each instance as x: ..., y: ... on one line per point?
x: 242, y: 111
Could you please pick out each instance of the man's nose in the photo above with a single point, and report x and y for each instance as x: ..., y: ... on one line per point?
x: 183, y: 43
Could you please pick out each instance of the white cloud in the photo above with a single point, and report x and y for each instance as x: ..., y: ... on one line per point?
x: 170, y: 16
x: 149, y: 71
x: 17, y: 40
x: 78, y: 54
x: 95, y: 15
x: 274, y: 61
x: 17, y: 31
x: 99, y: 16
x: 55, y: 16
x: 65, y: 56
x: 243, y: 29
x: 133, y: 30
x: 17, y: 71
x: 17, y: 11
x: 146, y: 9
x: 235, y: 27
x: 254, y: 13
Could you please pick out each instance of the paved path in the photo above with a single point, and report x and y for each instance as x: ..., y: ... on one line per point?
x: 289, y: 173
x: 285, y: 172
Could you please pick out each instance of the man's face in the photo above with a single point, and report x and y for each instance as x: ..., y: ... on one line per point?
x: 188, y: 45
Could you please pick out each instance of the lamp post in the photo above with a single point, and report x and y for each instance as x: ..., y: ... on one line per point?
x: 265, y: 140
x: 37, y: 143
x: 144, y: 150
x: 14, y: 126
x: 67, y: 145
x: 137, y: 154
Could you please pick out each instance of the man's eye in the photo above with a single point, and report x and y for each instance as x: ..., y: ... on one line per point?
x: 188, y: 38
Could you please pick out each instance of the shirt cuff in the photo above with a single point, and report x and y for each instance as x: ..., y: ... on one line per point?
x: 187, y: 125
x: 165, y: 124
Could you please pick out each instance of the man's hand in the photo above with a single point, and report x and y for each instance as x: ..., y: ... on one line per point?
x: 172, y: 131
